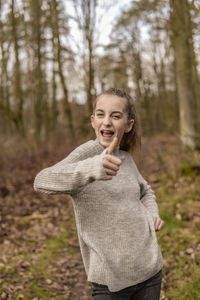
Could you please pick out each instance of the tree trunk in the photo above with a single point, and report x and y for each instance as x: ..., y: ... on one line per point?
x: 5, y: 109
x: 66, y: 104
x: 54, y: 109
x: 86, y: 20
x: 18, y: 93
x: 90, y: 88
x: 37, y: 69
x: 182, y: 42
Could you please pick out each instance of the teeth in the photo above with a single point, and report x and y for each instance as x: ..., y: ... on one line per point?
x: 108, y: 131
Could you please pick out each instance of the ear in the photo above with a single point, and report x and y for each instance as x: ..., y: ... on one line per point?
x: 92, y: 120
x: 129, y: 125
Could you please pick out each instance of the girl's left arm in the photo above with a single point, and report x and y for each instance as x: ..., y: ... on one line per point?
x: 148, y: 198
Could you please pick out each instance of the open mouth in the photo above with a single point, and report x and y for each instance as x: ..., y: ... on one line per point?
x: 107, y: 133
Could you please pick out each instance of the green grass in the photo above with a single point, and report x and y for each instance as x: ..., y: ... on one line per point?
x: 177, y: 208
x: 188, y: 288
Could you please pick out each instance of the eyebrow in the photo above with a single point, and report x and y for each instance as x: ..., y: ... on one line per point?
x: 113, y: 112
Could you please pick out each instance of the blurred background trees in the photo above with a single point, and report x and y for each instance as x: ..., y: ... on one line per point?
x: 51, y: 73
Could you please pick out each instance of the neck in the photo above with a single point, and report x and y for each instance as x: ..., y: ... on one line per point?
x: 117, y: 148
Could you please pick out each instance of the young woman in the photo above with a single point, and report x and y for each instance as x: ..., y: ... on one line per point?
x: 115, y: 208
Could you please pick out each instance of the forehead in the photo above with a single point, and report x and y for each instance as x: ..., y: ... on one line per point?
x: 111, y: 103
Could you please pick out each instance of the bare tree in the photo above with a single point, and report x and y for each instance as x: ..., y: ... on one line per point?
x: 86, y: 20
x: 182, y: 42
x: 5, y: 107
x: 56, y: 33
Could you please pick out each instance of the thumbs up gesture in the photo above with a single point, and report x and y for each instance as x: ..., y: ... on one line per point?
x: 110, y: 162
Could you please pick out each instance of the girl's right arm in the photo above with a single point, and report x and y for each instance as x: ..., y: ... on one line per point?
x: 81, y: 167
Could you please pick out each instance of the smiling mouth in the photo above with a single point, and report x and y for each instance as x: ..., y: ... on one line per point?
x: 107, y: 133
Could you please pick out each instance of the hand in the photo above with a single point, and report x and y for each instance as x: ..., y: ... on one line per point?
x: 110, y: 162
x: 158, y: 223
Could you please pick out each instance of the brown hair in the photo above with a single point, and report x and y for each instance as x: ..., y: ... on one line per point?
x: 131, y: 139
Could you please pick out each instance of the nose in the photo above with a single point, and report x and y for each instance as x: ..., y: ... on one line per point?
x: 107, y: 121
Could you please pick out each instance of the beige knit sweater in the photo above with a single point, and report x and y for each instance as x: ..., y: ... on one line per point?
x: 114, y: 220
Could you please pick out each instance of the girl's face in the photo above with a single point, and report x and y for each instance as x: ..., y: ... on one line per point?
x: 110, y: 118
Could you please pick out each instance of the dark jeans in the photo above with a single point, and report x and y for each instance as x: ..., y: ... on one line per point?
x: 146, y: 290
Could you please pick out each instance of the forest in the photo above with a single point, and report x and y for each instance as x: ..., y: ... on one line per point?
x: 56, y: 57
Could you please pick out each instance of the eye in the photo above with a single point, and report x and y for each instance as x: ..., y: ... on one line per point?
x: 116, y: 117
x: 99, y: 115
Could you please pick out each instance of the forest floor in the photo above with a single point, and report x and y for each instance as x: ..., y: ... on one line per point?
x: 39, y: 251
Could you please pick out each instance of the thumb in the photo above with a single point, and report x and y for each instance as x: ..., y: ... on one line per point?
x: 112, y: 145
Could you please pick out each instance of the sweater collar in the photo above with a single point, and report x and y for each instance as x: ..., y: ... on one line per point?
x: 104, y: 147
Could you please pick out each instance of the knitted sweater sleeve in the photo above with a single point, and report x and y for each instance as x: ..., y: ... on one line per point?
x: 80, y: 167
x: 147, y: 195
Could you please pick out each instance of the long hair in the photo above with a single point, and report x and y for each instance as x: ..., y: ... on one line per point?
x: 132, y: 139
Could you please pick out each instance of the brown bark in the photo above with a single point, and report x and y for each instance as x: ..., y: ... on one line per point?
x: 18, y: 93
x: 182, y: 42
x: 37, y: 68
x: 5, y: 108
x: 66, y: 103
x: 86, y: 20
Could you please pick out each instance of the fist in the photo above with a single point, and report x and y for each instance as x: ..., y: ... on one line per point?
x: 111, y: 165
x: 110, y: 162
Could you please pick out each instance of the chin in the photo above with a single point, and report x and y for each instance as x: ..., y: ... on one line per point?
x: 104, y: 143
